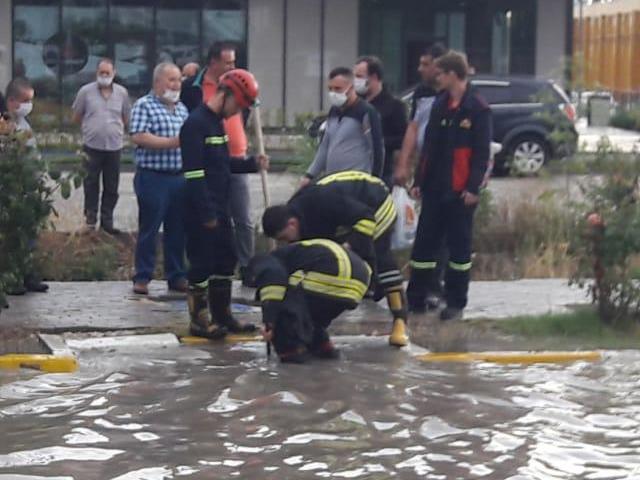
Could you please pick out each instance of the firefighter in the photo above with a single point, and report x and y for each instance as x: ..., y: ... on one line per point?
x: 303, y: 287
x: 452, y: 171
x: 209, y: 236
x: 352, y: 208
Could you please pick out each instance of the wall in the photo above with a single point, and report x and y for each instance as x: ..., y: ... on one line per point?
x: 5, y: 43
x: 319, y: 35
x: 551, y: 39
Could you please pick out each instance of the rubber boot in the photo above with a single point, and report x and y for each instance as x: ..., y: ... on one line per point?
x: 220, y: 307
x: 398, y: 307
x: 201, y: 325
x: 322, y: 346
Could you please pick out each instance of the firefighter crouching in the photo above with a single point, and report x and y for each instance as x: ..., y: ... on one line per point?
x: 302, y: 288
x: 355, y: 209
x: 209, y: 237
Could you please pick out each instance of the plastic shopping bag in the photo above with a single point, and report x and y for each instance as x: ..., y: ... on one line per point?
x: 404, y: 231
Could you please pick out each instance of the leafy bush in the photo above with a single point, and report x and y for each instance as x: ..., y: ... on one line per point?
x: 629, y: 119
x: 26, y: 201
x: 607, y: 239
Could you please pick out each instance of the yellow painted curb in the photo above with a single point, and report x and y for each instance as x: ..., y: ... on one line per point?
x: 189, y: 340
x: 512, y: 357
x: 45, y: 363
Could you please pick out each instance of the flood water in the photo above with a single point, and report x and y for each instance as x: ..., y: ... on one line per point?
x: 216, y: 412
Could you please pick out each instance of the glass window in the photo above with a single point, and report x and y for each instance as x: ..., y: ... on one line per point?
x: 131, y: 31
x: 83, y: 42
x: 178, y: 32
x: 494, y: 93
x: 35, y: 26
x: 225, y: 21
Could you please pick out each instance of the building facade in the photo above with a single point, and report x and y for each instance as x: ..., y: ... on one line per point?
x: 290, y: 45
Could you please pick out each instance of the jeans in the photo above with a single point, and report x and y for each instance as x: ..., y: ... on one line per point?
x: 106, y: 163
x: 240, y: 205
x: 160, y: 202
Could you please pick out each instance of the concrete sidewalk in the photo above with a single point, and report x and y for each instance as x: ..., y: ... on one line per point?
x: 104, y: 306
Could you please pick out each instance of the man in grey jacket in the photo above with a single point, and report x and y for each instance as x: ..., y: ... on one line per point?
x: 353, y: 138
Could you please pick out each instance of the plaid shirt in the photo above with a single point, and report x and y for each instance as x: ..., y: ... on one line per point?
x: 150, y: 115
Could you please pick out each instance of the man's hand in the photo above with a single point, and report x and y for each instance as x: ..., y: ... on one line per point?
x: 415, y: 193
x: 401, y: 174
x: 263, y: 162
x: 267, y: 333
x: 304, y: 181
x: 211, y: 224
x: 470, y: 199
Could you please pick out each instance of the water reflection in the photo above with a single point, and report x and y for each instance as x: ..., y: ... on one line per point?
x: 217, y: 412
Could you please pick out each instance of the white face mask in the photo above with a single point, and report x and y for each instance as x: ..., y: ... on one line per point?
x: 104, y: 81
x: 24, y: 109
x: 337, y: 99
x: 361, y: 85
x: 172, y: 96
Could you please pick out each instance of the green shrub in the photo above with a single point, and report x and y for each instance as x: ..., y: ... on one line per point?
x: 606, y: 239
x: 26, y: 201
x: 629, y: 119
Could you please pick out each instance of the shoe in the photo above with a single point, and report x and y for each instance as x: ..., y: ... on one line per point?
x: 200, y: 324
x: 326, y: 351
x: 299, y: 356
x: 88, y: 228
x: 451, y: 314
x: 220, y: 307
x: 181, y: 286
x: 399, y: 337
x: 433, y: 302
x: 32, y: 284
x: 141, y: 288
x: 111, y: 230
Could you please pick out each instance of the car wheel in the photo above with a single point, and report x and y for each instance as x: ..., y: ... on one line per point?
x: 527, y: 154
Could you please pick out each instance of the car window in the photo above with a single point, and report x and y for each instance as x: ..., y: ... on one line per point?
x: 494, y: 93
x: 524, y: 93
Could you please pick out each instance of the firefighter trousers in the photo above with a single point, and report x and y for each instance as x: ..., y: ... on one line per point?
x: 442, y: 223
x: 210, y: 251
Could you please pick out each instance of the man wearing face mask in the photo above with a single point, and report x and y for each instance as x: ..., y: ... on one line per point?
x: 102, y: 108
x: 208, y: 169
x: 155, y: 124
x: 19, y: 96
x: 369, y: 84
x: 353, y: 137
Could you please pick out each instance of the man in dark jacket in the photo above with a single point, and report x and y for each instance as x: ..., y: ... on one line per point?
x: 302, y: 288
x: 208, y: 168
x: 200, y: 88
x: 355, y: 209
x: 451, y: 172
x: 369, y: 84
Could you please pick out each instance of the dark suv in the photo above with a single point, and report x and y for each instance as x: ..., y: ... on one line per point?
x: 526, y: 111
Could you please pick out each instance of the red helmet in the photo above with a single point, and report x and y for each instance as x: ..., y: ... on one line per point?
x: 243, y: 85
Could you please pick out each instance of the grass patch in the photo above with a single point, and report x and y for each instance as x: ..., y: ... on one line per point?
x: 581, y: 327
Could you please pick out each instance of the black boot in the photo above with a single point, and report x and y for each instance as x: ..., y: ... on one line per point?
x: 201, y: 325
x: 34, y: 284
x: 220, y: 307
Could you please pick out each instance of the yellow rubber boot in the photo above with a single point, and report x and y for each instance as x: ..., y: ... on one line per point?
x: 397, y: 305
x: 399, y: 337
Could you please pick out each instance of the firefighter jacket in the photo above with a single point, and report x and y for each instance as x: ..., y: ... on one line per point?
x: 317, y: 266
x: 352, y: 207
x: 457, y: 146
x: 208, y: 166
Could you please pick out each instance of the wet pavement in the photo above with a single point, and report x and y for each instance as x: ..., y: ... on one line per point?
x: 95, y: 306
x: 228, y: 412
